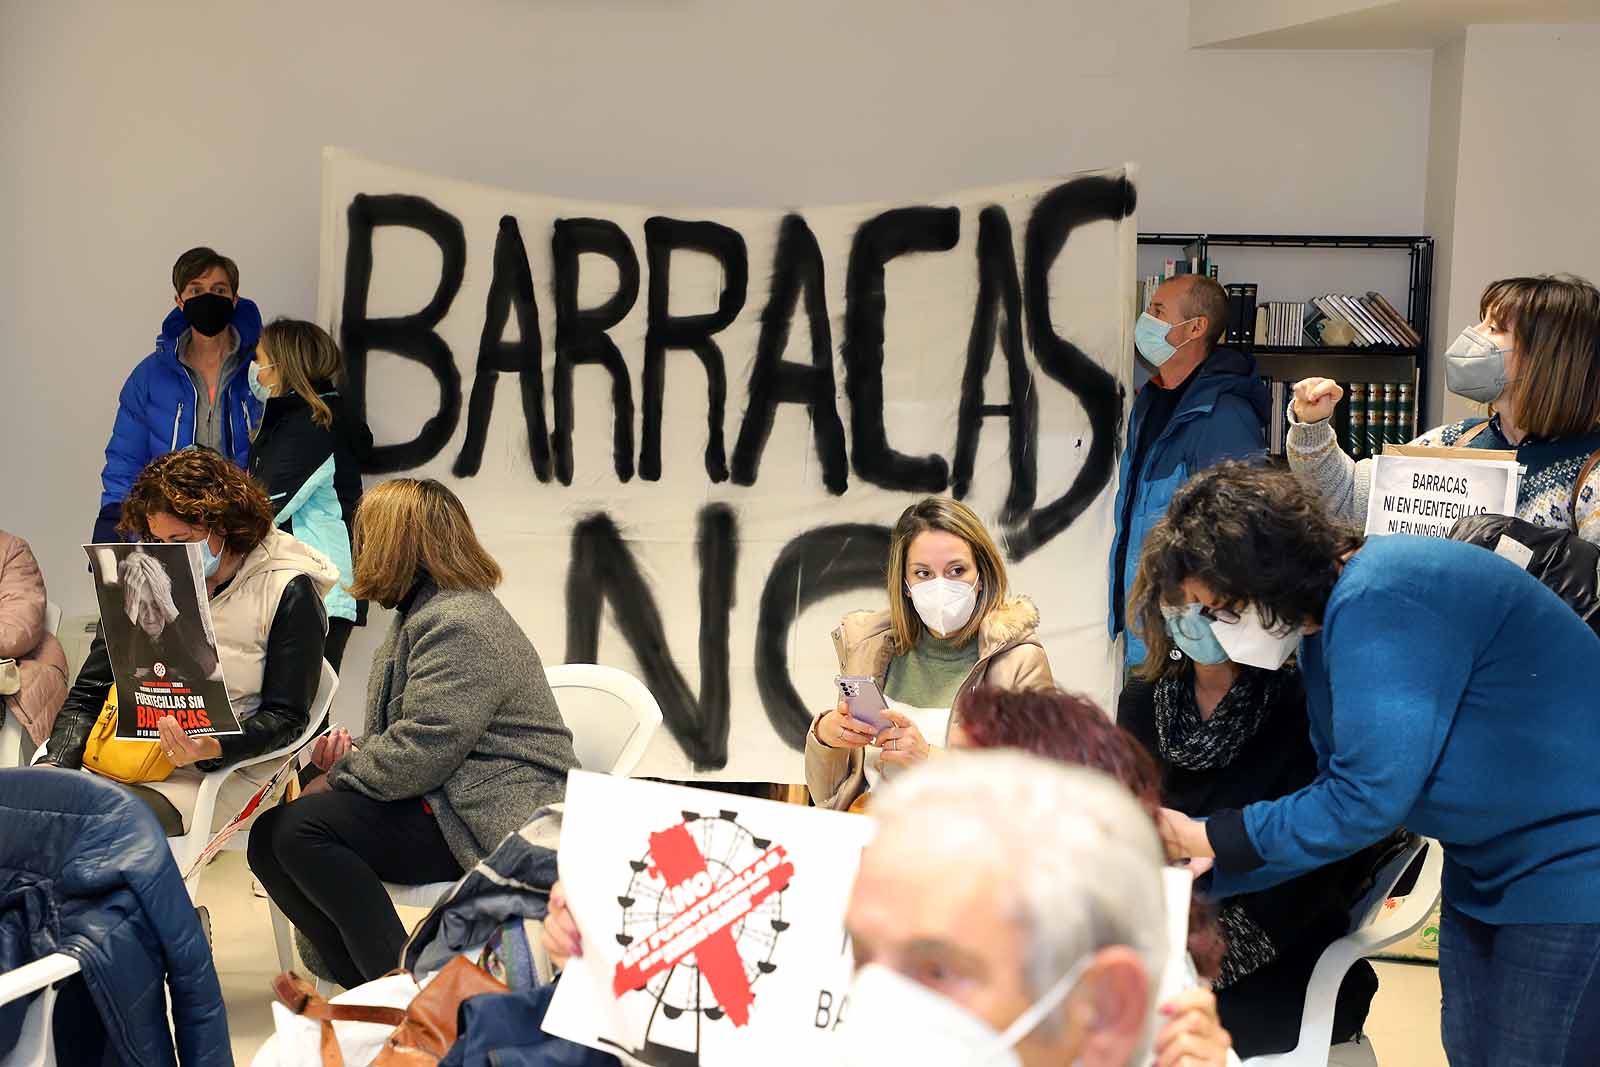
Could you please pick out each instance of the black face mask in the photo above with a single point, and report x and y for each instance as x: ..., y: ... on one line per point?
x: 208, y: 313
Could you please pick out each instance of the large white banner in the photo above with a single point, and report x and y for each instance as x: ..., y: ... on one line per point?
x: 686, y: 433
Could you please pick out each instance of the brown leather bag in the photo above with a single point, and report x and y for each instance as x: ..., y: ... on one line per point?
x: 424, y: 1031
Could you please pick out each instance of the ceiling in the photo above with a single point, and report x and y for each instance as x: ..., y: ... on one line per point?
x: 1364, y: 24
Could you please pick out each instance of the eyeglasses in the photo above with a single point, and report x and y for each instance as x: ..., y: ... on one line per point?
x: 1222, y: 615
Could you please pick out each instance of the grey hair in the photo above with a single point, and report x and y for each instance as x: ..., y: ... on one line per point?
x: 146, y: 588
x: 1085, y: 859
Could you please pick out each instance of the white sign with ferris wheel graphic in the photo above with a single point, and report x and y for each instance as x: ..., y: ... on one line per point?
x: 713, y: 925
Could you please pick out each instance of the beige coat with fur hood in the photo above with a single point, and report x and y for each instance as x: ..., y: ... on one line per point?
x: 1009, y: 657
x: 23, y: 637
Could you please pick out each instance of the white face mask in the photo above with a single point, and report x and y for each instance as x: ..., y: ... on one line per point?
x: 942, y: 1032
x: 1248, y: 641
x: 944, y: 604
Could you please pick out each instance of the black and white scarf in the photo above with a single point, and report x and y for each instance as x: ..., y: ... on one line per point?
x: 1197, y: 744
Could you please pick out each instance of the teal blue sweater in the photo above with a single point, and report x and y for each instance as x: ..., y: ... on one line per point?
x: 1451, y: 693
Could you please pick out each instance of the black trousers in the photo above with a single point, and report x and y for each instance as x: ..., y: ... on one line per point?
x: 338, y: 637
x: 324, y: 858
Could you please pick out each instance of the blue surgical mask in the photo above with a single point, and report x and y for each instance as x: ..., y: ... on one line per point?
x: 209, y: 561
x: 261, y: 392
x: 1191, y: 632
x: 1150, y: 338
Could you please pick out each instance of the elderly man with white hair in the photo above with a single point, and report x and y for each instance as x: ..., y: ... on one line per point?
x: 1009, y: 912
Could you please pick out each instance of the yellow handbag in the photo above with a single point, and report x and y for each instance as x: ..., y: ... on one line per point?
x: 121, y: 760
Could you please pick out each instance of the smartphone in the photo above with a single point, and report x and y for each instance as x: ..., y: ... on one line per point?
x: 864, y: 700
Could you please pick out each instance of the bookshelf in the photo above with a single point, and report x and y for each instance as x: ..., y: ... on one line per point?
x: 1371, y: 363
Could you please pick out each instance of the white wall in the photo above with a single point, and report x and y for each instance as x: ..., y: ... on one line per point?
x: 1529, y: 163
x: 1439, y: 206
x: 133, y: 131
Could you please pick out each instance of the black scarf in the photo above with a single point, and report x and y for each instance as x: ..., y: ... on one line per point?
x: 1197, y: 744
x: 1194, y: 744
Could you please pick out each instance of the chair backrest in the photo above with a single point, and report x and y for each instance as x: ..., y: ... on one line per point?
x: 1370, y: 908
x: 52, y: 616
x: 611, y: 714
x: 1373, y: 926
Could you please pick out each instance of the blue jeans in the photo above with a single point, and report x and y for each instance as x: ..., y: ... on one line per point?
x: 1519, y: 995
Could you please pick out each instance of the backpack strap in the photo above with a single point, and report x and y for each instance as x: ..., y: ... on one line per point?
x: 1467, y: 435
x: 1577, y: 485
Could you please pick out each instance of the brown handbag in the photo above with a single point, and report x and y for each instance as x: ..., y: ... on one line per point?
x: 424, y: 1031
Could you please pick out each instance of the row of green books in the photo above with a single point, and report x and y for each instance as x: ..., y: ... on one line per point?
x: 1371, y: 415
x: 1375, y: 414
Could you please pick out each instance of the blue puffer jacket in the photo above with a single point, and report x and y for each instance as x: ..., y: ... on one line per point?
x: 85, y: 870
x: 156, y: 412
x: 1222, y: 416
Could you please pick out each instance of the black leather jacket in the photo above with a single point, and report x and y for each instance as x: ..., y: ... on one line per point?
x: 1559, y: 558
x: 289, y: 679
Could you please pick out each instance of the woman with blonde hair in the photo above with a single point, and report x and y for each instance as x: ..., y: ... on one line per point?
x: 1535, y: 360
x: 951, y: 625
x: 307, y: 454
x: 464, y: 741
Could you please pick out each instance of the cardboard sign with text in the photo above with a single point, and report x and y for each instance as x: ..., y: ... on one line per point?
x: 713, y: 925
x: 1425, y: 494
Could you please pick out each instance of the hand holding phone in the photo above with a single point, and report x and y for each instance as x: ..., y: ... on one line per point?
x: 864, y: 700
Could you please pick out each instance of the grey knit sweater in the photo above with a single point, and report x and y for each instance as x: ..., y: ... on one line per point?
x: 459, y: 712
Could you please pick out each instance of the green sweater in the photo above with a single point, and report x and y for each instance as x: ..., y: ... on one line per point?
x: 931, y: 673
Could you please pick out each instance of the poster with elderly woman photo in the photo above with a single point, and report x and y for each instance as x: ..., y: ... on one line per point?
x: 163, y: 648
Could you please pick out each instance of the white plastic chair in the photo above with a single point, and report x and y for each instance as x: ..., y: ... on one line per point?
x: 187, y: 848
x: 1372, y: 928
x: 35, y: 1045
x: 613, y: 718
x: 15, y: 744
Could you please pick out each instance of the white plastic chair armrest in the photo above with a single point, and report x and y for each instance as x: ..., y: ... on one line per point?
x: 32, y: 977
x: 211, y: 784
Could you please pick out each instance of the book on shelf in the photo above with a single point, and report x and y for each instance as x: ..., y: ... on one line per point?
x: 1399, y: 327
x: 1241, y: 313
x: 1374, y: 442
x: 1356, y: 401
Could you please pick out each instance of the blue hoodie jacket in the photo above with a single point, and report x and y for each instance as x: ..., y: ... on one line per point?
x: 1222, y: 416
x: 156, y: 412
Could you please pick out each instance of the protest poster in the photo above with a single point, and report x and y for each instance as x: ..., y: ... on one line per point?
x: 1424, y: 491
x: 156, y: 618
x: 714, y: 923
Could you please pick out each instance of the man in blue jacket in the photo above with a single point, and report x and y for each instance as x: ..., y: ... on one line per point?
x: 193, y: 389
x: 1205, y: 404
